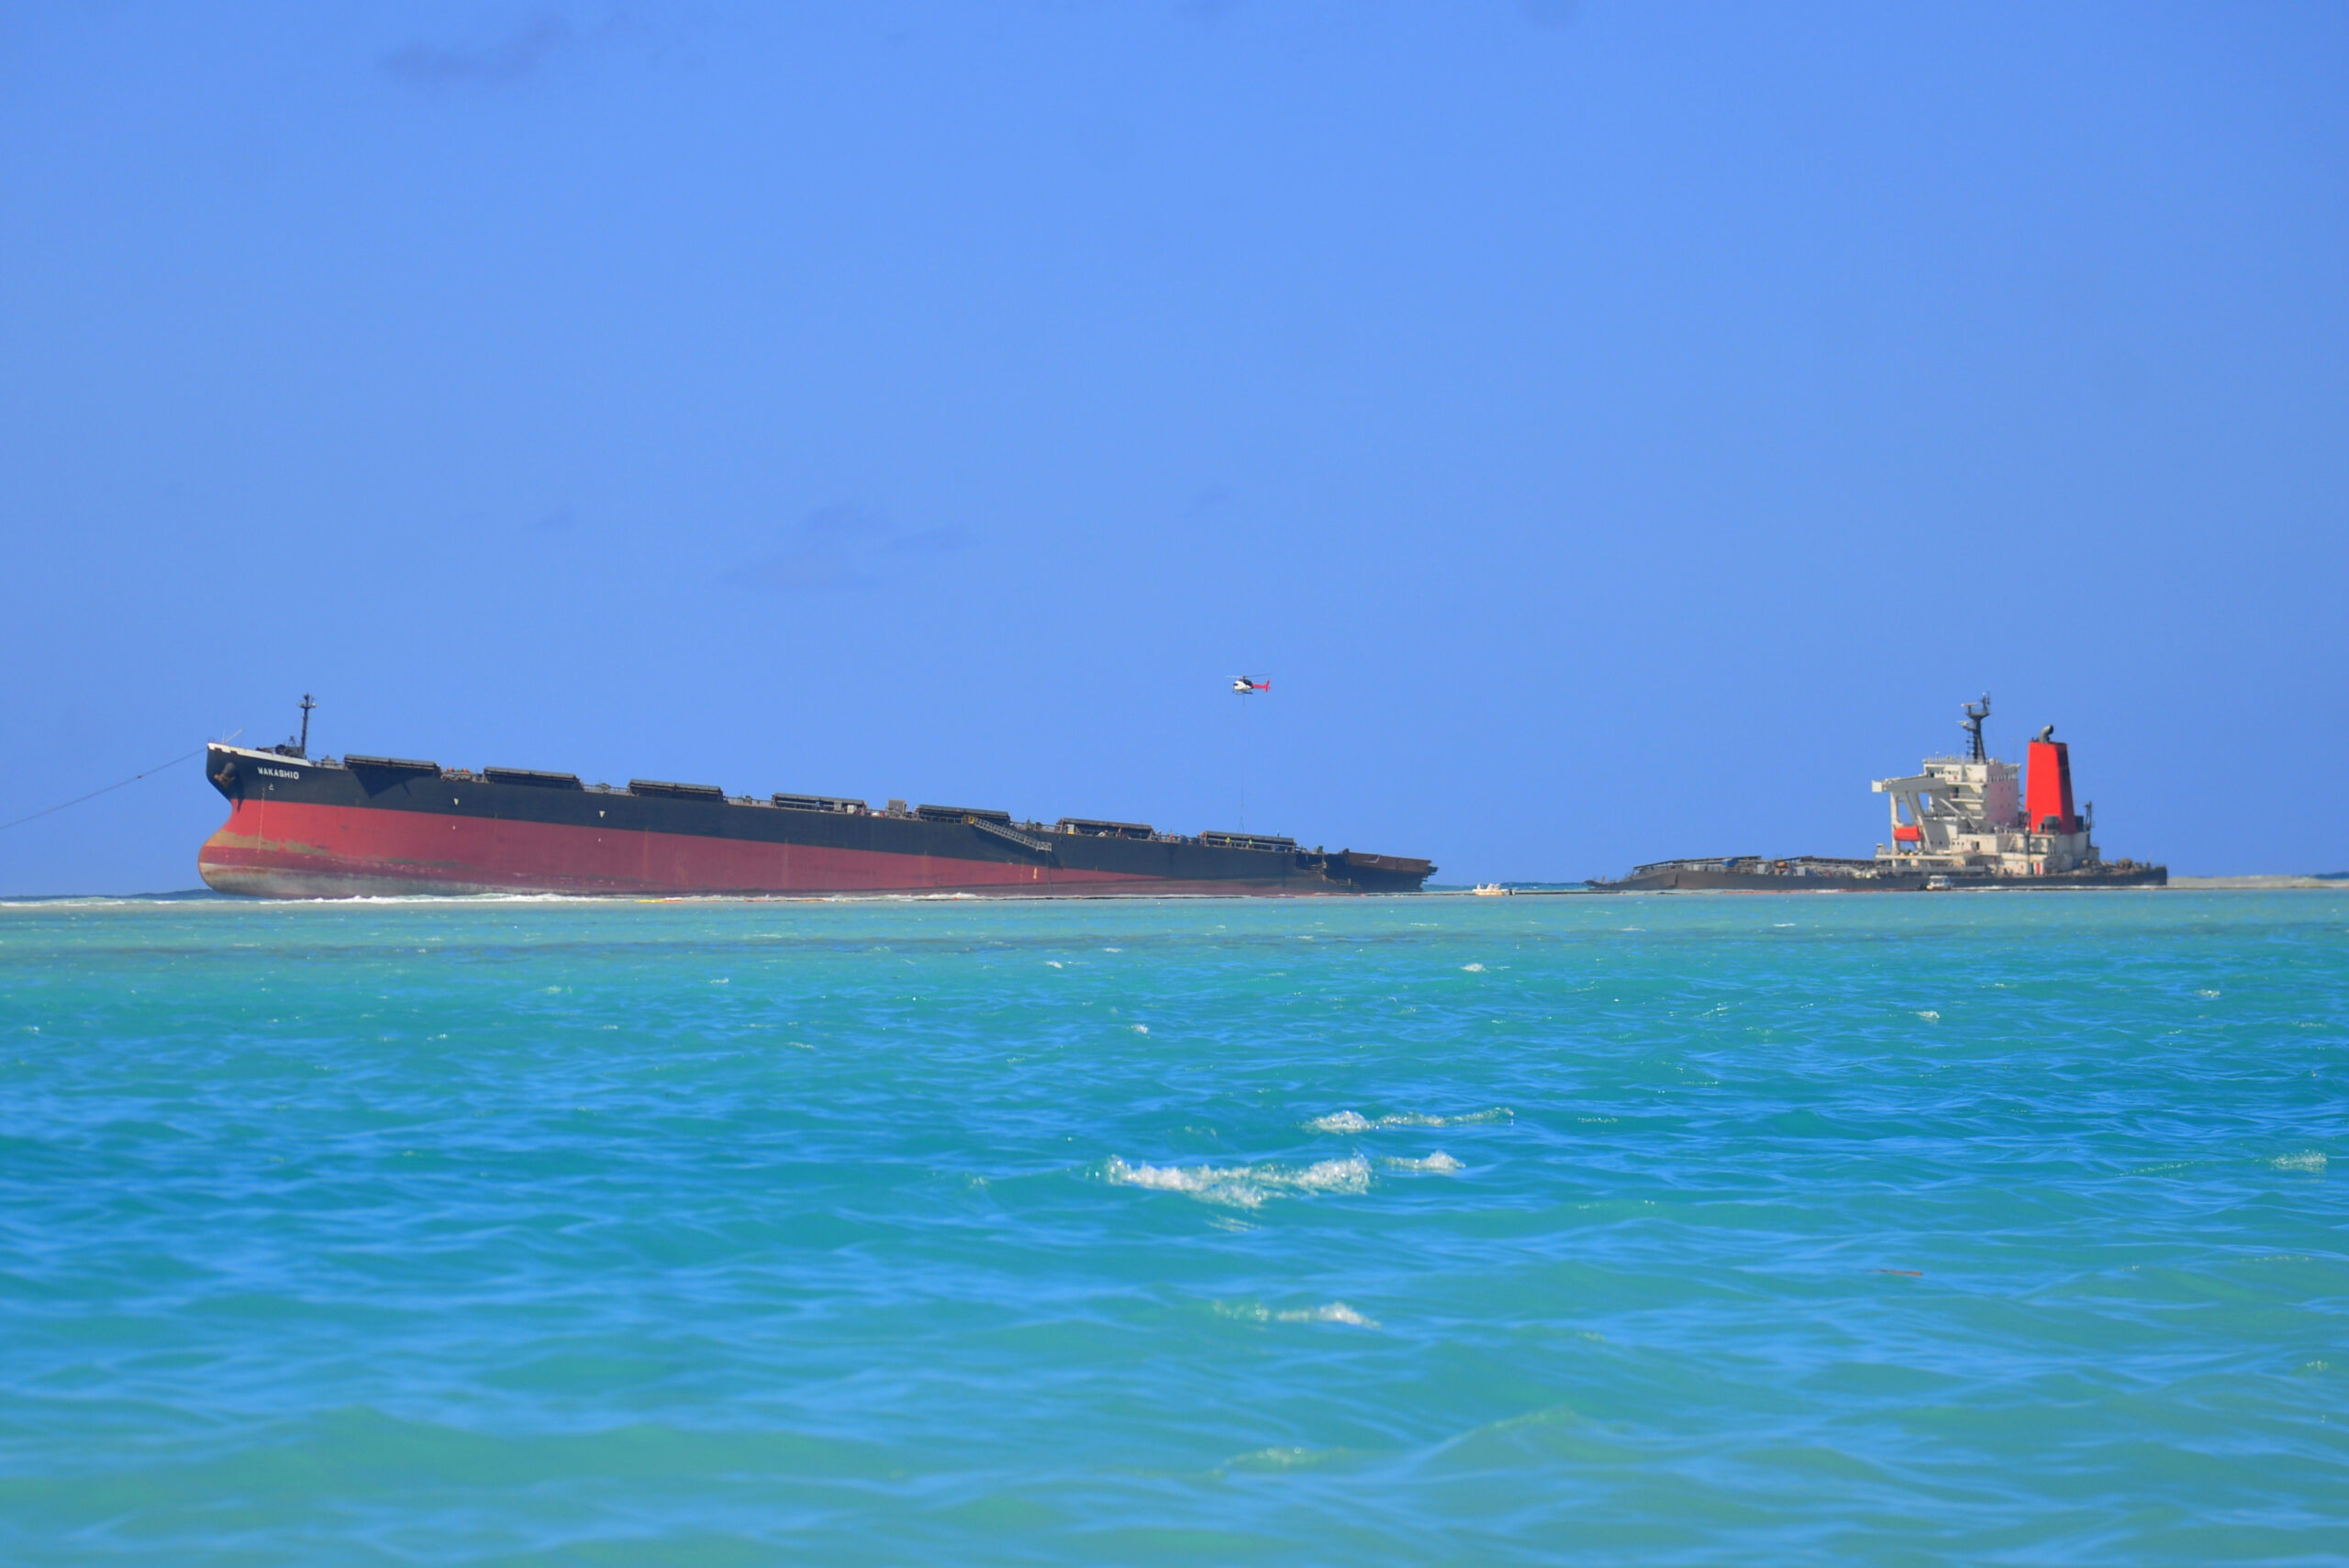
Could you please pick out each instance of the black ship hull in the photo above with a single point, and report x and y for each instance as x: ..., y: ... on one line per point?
x: 304, y: 828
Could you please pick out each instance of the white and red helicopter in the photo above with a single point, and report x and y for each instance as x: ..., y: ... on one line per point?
x: 1246, y: 684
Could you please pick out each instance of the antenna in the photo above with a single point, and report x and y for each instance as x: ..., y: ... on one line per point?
x: 301, y: 746
x: 1975, y: 712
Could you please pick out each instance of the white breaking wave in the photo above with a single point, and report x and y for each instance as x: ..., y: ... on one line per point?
x: 1335, y: 1312
x: 198, y: 898
x: 1244, y: 1186
x: 1412, y: 1118
x: 2307, y: 1159
x: 1354, y: 1121
x: 1440, y: 1162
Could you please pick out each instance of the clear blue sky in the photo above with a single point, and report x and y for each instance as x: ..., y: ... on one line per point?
x: 1621, y: 430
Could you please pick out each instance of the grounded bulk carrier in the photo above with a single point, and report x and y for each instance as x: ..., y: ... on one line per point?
x: 1970, y: 821
x: 318, y: 828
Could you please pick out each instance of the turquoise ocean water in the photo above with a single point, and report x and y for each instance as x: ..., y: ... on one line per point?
x: 1964, y: 1228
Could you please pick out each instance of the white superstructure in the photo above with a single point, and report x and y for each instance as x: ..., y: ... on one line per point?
x: 1973, y: 811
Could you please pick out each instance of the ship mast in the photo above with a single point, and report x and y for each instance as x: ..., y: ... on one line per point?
x: 1971, y: 724
x: 301, y: 746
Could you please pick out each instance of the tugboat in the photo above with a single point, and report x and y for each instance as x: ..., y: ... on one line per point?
x: 1958, y: 823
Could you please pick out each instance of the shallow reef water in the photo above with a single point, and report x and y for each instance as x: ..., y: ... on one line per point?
x: 1933, y: 1228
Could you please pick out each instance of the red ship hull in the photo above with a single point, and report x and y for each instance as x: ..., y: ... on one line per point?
x: 293, y: 849
x: 377, y: 826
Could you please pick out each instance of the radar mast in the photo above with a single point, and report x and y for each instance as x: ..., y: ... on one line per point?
x: 1975, y: 712
x: 298, y: 745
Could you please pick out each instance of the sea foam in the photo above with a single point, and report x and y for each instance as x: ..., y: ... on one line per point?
x: 1333, y: 1312
x: 1244, y: 1186
x: 1354, y: 1121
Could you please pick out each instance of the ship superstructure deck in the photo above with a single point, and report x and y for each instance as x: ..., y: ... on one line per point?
x: 1957, y: 822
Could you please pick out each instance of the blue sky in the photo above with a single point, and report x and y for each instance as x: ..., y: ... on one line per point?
x: 1620, y: 431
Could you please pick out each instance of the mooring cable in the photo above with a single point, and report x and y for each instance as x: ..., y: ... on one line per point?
x: 93, y: 794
